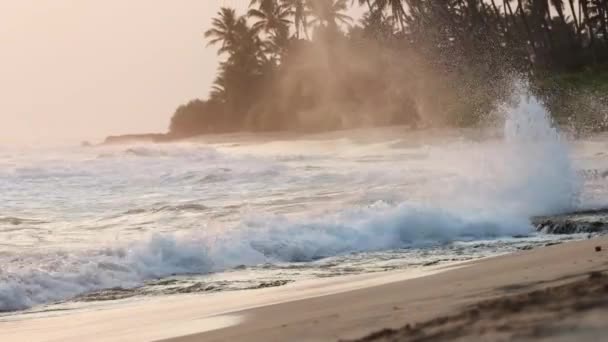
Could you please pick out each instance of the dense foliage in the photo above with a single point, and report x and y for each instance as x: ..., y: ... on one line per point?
x: 306, y: 65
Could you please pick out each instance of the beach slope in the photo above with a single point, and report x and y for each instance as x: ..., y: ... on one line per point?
x: 487, y: 299
x: 441, y: 304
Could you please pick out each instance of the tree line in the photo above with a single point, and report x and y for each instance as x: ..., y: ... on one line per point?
x: 307, y: 65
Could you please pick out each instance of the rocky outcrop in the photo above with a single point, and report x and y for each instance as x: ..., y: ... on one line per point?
x: 588, y: 221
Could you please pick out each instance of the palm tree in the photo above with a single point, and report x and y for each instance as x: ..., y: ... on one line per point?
x: 225, y: 30
x: 396, y: 8
x: 218, y: 89
x: 585, y: 6
x: 374, y: 25
x: 596, y: 10
x: 271, y: 17
x: 524, y: 19
x: 329, y: 13
x: 365, y: 2
x: 501, y: 20
x: 298, y: 11
x: 261, y: 3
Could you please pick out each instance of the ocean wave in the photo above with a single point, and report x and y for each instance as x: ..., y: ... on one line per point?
x: 193, y: 207
x: 375, y: 228
x: 460, y: 192
x: 16, y: 221
x: 44, y: 278
x: 181, y: 151
x: 26, y: 281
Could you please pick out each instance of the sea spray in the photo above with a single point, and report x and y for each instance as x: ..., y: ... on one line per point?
x: 537, y: 157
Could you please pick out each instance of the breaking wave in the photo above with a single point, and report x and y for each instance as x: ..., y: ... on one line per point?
x: 62, y: 275
x: 527, y: 173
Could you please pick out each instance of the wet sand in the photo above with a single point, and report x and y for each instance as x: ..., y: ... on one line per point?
x: 355, y: 314
x: 436, y: 300
x: 157, y: 318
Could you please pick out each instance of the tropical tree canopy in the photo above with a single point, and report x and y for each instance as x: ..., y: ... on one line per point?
x: 307, y: 64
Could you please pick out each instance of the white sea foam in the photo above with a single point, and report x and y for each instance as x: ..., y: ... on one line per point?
x: 47, y: 277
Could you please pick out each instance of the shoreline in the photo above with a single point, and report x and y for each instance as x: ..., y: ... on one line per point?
x: 356, y: 314
x: 185, y: 314
x: 348, y: 307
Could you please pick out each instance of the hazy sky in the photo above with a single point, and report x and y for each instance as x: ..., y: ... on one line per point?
x: 81, y: 69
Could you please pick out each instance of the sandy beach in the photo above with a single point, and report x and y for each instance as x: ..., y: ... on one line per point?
x: 354, y: 314
x: 347, y: 308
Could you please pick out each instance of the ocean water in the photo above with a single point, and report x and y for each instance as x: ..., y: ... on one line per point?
x: 242, y: 211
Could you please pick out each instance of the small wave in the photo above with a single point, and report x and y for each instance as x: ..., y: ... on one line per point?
x: 182, y: 207
x: 145, y: 152
x: 48, y: 172
x: 184, y: 151
x: 220, y: 175
x: 168, y: 208
x: 16, y: 221
x: 44, y: 278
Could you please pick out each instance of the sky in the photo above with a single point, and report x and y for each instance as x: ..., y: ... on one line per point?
x: 81, y: 69
x: 75, y: 70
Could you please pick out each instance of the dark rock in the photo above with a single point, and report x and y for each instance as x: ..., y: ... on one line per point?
x: 553, y: 243
x: 598, y: 248
x: 588, y: 221
x: 274, y: 283
x: 431, y: 263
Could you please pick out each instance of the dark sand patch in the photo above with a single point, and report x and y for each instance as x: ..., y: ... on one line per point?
x: 560, y: 312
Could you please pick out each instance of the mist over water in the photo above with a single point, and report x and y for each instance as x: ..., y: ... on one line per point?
x: 77, y: 220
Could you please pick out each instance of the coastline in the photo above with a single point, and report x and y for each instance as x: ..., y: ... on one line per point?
x: 355, y: 314
x: 346, y: 307
x: 157, y: 318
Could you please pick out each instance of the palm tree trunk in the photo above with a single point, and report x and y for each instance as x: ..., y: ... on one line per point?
x: 560, y: 13
x: 585, y: 8
x: 580, y: 15
x: 507, y: 5
x: 522, y: 15
x: 397, y: 8
x: 605, y: 8
x: 602, y: 14
x: 559, y: 8
x: 576, y: 24
x: 505, y: 24
x: 546, y: 14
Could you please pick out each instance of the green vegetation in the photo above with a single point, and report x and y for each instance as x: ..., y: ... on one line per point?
x: 578, y: 99
x: 594, y: 80
x: 306, y: 65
